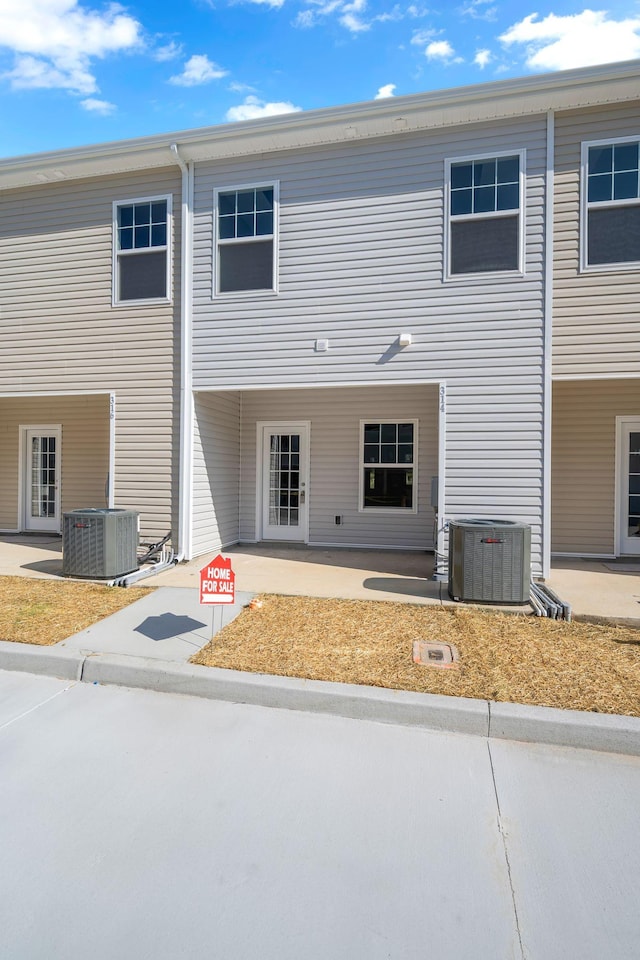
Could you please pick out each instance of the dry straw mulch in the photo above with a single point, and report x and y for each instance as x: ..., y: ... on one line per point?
x: 512, y: 658
x: 47, y: 611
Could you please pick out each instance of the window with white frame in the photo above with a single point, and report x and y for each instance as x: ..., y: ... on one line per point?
x: 142, y: 232
x: 611, y: 203
x: 484, y: 215
x: 388, y: 465
x: 246, y: 231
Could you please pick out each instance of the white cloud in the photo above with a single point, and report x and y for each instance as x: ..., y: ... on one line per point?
x: 56, y: 40
x: 236, y: 87
x: 305, y: 19
x: 197, y: 70
x: 392, y: 15
x: 386, y: 91
x: 439, y: 50
x: 170, y: 51
x: 351, y: 15
x: 579, y: 40
x: 479, y: 10
x: 267, y: 3
x: 482, y: 58
x: 253, y: 108
x: 420, y: 37
x: 354, y: 24
x: 102, y: 107
x: 350, y: 18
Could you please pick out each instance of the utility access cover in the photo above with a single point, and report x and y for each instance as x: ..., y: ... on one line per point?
x: 431, y: 654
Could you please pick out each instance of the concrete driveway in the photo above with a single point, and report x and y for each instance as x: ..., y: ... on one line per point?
x: 153, y: 826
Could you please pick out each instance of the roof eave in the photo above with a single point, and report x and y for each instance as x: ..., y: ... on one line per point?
x: 481, y: 102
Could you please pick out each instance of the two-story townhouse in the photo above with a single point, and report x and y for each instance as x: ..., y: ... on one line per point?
x: 376, y: 288
x: 362, y: 301
x: 596, y: 331
x: 90, y: 321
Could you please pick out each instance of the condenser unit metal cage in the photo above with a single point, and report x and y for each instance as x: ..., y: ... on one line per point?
x: 99, y: 543
x: 489, y: 561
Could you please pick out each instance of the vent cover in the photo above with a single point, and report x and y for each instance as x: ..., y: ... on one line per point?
x: 489, y: 561
x: 99, y: 543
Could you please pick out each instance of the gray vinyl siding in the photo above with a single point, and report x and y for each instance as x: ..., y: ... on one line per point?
x: 360, y: 261
x: 584, y: 462
x: 334, y: 416
x: 596, y: 319
x: 60, y: 332
x: 216, y: 471
x: 84, y: 458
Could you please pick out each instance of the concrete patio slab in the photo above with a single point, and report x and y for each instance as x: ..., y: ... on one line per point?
x: 37, y: 556
x: 598, y: 588
x: 320, y: 572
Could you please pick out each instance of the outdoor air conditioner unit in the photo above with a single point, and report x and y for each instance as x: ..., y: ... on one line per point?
x: 489, y: 561
x: 99, y: 543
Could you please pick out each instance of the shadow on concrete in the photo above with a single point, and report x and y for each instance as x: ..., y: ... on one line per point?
x: 52, y: 567
x: 404, y: 587
x: 167, y: 625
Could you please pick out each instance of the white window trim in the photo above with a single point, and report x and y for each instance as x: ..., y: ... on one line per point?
x: 585, y: 267
x: 247, y: 294
x: 117, y: 253
x: 383, y: 511
x: 449, y: 277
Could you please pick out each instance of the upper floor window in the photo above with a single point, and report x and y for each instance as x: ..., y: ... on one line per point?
x: 246, y: 232
x: 484, y: 215
x: 611, y: 213
x: 141, y: 261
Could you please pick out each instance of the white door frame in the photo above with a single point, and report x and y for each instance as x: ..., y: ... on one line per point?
x: 624, y: 425
x: 54, y: 525
x: 282, y: 426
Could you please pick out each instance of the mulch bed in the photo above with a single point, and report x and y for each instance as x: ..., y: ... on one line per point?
x: 512, y: 658
x: 44, y: 612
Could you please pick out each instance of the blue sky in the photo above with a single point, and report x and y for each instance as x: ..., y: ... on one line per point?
x: 80, y: 71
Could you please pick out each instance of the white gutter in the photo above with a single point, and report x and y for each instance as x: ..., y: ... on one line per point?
x: 185, y: 471
x: 547, y: 348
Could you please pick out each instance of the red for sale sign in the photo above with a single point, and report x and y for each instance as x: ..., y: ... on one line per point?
x: 217, y: 581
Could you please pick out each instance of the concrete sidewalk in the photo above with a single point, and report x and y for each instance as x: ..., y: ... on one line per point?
x: 169, y: 624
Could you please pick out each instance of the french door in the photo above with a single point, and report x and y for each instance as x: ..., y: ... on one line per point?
x: 284, y: 454
x: 41, y: 478
x: 629, y: 488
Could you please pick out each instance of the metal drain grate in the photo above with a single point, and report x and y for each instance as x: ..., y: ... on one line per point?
x: 431, y: 654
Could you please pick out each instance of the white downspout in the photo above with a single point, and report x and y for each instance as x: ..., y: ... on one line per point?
x: 185, y: 472
x: 547, y: 348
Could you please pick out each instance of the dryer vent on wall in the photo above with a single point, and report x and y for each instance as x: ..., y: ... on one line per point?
x: 99, y: 543
x: 489, y: 561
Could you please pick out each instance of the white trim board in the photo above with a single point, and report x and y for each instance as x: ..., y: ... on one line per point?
x: 337, y: 385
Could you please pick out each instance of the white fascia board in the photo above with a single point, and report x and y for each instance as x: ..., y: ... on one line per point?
x: 498, y: 100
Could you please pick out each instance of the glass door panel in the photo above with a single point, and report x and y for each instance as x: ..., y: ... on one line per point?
x: 284, y: 482
x: 633, y: 487
x: 42, y: 479
x: 629, y: 516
